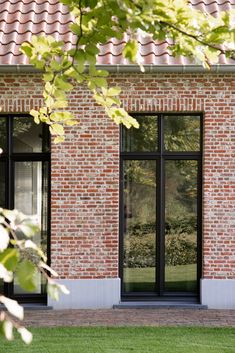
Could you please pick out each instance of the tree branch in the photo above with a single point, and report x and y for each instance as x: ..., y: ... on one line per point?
x: 196, y: 38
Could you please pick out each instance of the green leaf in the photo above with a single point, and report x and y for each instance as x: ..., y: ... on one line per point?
x: 7, y: 330
x: 35, y: 115
x: 99, y: 81
x: 62, y: 84
x: 80, y: 60
x: 4, y: 238
x: 29, y: 227
x: 13, y: 307
x: 11, y: 215
x: 91, y: 85
x: 6, y: 275
x: 25, y: 335
x: 71, y: 122
x: 9, y: 258
x: 59, y: 104
x: 75, y: 28
x: 92, y: 49
x: 53, y: 291
x: 56, y: 129
x: 26, y: 48
x: 25, y: 274
x: 113, y: 91
x: 130, y: 50
x: 59, y: 139
x: 48, y: 76
x: 55, y: 65
x: 102, y: 73
x: 112, y: 100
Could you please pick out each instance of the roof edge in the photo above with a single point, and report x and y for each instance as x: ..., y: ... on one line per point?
x: 219, y: 68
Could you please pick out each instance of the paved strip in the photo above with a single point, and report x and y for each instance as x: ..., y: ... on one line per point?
x: 130, y: 317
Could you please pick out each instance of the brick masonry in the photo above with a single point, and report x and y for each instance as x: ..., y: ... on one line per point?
x: 85, y: 169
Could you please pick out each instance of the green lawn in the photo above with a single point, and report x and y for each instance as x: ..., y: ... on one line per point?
x: 178, y: 278
x: 126, y: 340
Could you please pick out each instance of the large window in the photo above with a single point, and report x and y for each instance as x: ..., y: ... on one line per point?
x: 24, y: 182
x: 161, y: 206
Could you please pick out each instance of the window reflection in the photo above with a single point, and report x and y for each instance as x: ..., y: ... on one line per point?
x: 144, y: 138
x: 182, y: 133
x: 181, y: 226
x: 28, y: 136
x: 140, y: 226
x: 31, y: 189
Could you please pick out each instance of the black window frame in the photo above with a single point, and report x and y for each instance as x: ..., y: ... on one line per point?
x: 10, y: 157
x: 161, y: 155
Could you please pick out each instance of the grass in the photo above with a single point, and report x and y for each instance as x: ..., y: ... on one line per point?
x: 178, y: 278
x: 126, y: 340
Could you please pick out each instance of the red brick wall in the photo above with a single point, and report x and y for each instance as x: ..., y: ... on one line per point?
x: 85, y: 169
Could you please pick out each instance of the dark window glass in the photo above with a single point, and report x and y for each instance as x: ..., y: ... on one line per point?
x: 139, y: 226
x: 31, y: 192
x: 27, y: 136
x: 2, y: 184
x: 181, y: 133
x: 181, y: 226
x: 143, y: 139
x: 3, y: 134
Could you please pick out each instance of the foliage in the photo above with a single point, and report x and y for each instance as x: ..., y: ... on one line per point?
x: 21, y: 259
x: 140, y: 251
x: 192, y: 33
x: 181, y: 249
x: 180, y: 243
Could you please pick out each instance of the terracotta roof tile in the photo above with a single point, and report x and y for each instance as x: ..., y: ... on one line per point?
x: 19, y: 19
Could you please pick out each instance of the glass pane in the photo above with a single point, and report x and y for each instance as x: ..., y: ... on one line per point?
x: 3, y: 134
x: 143, y: 139
x: 182, y: 133
x: 31, y: 190
x: 2, y: 184
x: 28, y: 136
x: 139, y: 226
x: 181, y: 226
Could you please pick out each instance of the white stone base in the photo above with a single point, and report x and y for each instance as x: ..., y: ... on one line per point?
x: 218, y: 293
x: 88, y: 294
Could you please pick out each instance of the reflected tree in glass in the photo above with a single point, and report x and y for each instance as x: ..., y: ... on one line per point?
x: 181, y: 225
x: 28, y: 136
x: 139, y: 225
x: 181, y: 133
x: 143, y: 139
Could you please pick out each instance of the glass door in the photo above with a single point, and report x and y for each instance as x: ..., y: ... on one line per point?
x: 160, y: 212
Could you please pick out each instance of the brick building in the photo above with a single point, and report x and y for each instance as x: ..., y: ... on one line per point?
x: 127, y: 215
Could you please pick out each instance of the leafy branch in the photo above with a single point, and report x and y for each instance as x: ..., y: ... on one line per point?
x: 21, y: 259
x: 193, y: 34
